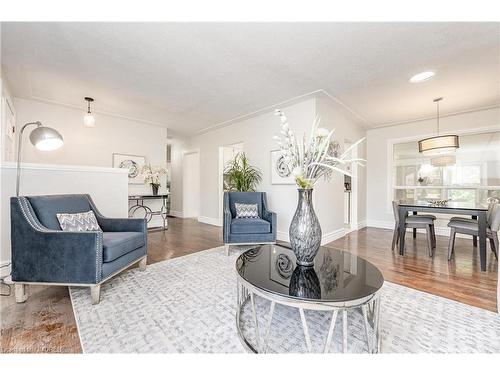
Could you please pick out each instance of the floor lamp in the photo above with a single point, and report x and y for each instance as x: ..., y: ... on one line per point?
x: 43, y: 138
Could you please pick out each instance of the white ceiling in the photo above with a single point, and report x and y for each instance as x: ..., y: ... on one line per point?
x: 190, y: 76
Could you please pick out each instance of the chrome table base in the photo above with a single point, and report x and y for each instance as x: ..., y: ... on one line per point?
x: 370, y: 309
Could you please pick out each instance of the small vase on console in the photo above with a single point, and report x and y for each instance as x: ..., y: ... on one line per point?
x: 155, y: 188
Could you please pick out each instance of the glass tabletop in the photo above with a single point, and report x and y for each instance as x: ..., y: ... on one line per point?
x: 449, y: 204
x: 337, y: 276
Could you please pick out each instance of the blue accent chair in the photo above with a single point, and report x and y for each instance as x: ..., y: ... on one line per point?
x: 44, y: 254
x: 248, y: 231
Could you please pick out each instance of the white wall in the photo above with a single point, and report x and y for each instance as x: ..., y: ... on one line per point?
x: 379, y: 150
x: 6, y: 154
x: 331, y: 194
x: 107, y: 186
x: 93, y: 146
x: 7, y: 114
x: 256, y: 134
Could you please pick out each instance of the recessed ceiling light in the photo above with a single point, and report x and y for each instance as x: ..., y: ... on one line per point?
x: 421, y: 77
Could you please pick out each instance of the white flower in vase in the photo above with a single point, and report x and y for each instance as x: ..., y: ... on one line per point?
x: 314, y: 158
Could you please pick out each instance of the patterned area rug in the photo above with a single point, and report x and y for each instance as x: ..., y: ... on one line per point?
x: 188, y: 304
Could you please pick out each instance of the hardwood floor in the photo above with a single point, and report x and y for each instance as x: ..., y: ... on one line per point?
x: 460, y: 279
x: 46, y: 324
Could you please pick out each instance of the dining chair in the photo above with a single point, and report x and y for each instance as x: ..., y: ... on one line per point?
x: 417, y: 222
x: 472, y: 228
x: 471, y: 220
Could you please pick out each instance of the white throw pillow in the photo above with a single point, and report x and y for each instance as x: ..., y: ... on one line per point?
x: 245, y: 210
x: 79, y: 222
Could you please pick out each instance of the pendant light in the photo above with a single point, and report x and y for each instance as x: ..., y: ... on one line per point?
x: 440, y: 144
x: 88, y: 119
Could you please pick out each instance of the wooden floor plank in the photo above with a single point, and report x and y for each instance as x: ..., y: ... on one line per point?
x: 46, y: 324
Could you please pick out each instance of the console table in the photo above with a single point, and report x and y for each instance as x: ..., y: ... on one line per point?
x: 148, y: 212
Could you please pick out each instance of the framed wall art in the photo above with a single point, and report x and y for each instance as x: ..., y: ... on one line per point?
x: 133, y: 163
x: 280, y: 174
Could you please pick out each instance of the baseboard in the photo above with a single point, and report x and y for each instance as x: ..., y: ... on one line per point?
x: 380, y: 224
x: 209, y: 220
x: 178, y: 214
x: 282, y: 236
x: 156, y: 221
x: 332, y: 236
x: 325, y: 238
x: 361, y: 224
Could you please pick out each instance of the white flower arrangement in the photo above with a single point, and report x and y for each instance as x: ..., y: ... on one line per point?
x: 318, y: 157
x: 152, y: 175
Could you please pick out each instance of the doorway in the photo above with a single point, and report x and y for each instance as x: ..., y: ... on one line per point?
x: 351, y: 192
x: 191, y: 184
x: 226, y: 154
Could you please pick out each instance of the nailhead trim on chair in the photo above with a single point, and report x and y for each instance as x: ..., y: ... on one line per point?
x: 23, y: 204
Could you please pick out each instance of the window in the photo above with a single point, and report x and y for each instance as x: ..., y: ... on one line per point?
x: 474, y: 177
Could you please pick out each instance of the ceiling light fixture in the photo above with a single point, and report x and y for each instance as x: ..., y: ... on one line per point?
x: 440, y: 144
x: 88, y: 119
x: 422, y: 77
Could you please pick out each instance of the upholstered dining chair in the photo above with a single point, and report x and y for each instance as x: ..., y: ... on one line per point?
x: 248, y: 230
x: 43, y: 253
x: 417, y: 222
x: 471, y: 220
x: 472, y: 228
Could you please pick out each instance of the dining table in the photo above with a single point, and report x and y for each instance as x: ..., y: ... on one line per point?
x: 476, y: 211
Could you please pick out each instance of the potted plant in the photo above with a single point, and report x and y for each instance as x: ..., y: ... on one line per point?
x: 310, y: 160
x: 152, y: 176
x: 242, y: 176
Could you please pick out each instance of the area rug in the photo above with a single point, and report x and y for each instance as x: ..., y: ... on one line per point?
x: 188, y: 305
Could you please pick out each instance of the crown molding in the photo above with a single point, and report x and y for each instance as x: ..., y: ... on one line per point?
x: 258, y: 112
x: 426, y: 118
x: 111, y: 114
x: 365, y: 122
x: 270, y: 108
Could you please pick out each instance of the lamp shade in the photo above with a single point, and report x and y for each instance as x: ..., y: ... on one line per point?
x: 46, y: 139
x: 89, y: 120
x: 438, y: 145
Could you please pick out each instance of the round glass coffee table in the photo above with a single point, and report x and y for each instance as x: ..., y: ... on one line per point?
x: 338, y: 282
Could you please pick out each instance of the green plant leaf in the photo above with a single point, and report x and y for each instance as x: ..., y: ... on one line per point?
x: 242, y: 176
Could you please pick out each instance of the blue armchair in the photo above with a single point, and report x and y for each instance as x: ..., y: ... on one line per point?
x: 44, y: 254
x: 246, y: 231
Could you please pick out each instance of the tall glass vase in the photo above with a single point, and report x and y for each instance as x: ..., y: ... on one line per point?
x: 305, y: 231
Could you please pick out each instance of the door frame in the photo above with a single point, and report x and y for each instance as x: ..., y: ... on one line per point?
x: 220, y: 219
x: 184, y: 153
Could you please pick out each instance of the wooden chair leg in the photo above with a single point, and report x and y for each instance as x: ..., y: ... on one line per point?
x: 433, y: 232
x: 474, y: 241
x: 451, y: 244
x: 95, y: 293
x: 429, y: 240
x: 395, y: 237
